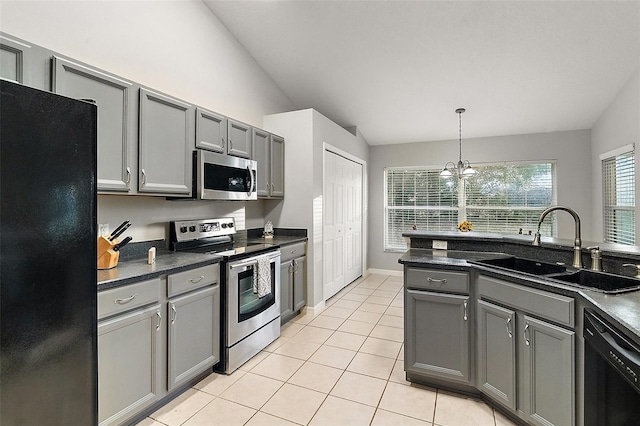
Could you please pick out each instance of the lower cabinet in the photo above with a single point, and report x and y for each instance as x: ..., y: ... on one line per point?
x: 154, y: 337
x: 293, y: 281
x: 194, y: 344
x: 437, y: 335
x: 526, y: 363
x: 437, y: 325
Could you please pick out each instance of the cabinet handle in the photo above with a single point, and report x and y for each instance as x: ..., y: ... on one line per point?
x: 230, y: 145
x: 175, y: 314
x: 509, y: 328
x: 294, y: 262
x: 159, y: 320
x: 125, y: 300
x: 222, y: 141
x: 526, y: 339
x: 128, y: 181
x: 196, y: 280
x: 144, y: 176
x: 465, y: 303
x: 433, y: 280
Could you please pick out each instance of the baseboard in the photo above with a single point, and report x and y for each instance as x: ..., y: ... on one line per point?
x: 315, y: 310
x: 384, y: 272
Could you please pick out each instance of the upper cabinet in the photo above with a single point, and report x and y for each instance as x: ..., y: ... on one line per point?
x: 12, y: 55
x: 114, y: 97
x: 165, y: 135
x: 268, y: 151
x: 24, y: 63
x: 239, y: 139
x: 211, y: 131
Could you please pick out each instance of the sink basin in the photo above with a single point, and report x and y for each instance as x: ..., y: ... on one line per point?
x: 600, y: 281
x: 527, y: 266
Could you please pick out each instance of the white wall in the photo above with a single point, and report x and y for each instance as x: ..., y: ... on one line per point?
x: 176, y: 47
x: 570, y: 150
x: 618, y: 125
x: 305, y: 134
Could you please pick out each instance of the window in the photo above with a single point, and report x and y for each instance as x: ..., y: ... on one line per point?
x: 618, y: 196
x: 505, y: 198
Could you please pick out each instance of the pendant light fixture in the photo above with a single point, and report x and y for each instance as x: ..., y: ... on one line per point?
x: 463, y: 169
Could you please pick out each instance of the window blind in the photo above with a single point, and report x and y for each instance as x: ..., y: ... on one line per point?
x: 618, y: 196
x: 500, y: 198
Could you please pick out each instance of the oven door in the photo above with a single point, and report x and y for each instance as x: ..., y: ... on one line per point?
x: 225, y: 178
x: 246, y: 312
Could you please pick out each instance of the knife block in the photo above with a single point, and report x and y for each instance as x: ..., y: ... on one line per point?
x: 107, y: 257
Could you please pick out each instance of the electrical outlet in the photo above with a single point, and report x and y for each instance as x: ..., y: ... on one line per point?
x: 103, y: 229
x: 439, y: 245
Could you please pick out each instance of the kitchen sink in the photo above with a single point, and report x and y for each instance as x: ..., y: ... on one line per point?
x: 527, y: 266
x: 600, y: 281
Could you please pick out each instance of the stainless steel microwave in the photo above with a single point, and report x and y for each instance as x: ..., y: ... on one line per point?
x: 220, y: 177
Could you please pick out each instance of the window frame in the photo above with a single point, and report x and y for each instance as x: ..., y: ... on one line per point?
x: 610, y: 191
x: 461, y: 204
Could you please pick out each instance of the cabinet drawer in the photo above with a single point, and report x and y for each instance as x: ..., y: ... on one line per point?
x: 543, y: 304
x: 192, y: 279
x: 125, y: 298
x: 292, y: 251
x: 437, y: 280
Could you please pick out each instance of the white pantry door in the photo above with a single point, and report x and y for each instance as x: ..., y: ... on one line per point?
x: 342, y: 218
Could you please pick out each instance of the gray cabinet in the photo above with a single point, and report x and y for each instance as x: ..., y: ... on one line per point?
x: 165, y: 141
x: 128, y: 364
x: 293, y: 280
x: 525, y: 361
x: 547, y: 371
x: 437, y: 332
x: 497, y: 352
x: 114, y: 98
x: 240, y: 137
x: 194, y: 335
x: 12, y: 58
x: 211, y: 131
x: 268, y: 151
x: 24, y: 62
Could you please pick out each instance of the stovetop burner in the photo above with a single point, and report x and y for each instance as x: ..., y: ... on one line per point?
x: 212, y: 236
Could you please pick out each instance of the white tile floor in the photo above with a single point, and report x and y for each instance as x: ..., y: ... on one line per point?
x: 342, y: 367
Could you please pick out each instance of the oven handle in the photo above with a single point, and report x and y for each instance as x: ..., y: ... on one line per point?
x: 249, y: 263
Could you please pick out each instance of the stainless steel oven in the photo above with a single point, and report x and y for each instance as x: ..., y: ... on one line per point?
x: 220, y: 177
x: 252, y: 322
x: 611, y: 374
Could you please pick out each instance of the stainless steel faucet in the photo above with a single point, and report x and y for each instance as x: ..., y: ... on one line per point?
x: 577, y: 245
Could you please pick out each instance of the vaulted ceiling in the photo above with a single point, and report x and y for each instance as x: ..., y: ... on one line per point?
x: 398, y: 69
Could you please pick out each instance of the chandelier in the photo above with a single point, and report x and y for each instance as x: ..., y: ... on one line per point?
x: 463, y: 169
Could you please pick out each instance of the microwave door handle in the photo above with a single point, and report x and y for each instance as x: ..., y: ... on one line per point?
x: 250, y: 181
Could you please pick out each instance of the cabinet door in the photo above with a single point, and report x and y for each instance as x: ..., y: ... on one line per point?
x: 128, y: 369
x: 113, y: 97
x: 277, y: 166
x: 299, y: 283
x: 12, y: 58
x: 239, y: 139
x: 497, y: 353
x: 260, y: 153
x: 164, y: 144
x: 547, y: 376
x: 211, y: 131
x: 194, y: 334
x: 286, y: 291
x: 437, y: 335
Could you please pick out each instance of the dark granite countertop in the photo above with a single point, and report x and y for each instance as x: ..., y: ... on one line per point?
x: 167, y: 262
x: 623, y: 308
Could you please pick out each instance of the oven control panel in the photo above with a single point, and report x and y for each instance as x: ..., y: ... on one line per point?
x: 187, y: 230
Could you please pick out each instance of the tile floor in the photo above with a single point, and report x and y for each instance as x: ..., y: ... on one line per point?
x: 342, y: 367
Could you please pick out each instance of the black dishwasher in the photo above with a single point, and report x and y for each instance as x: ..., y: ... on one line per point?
x: 611, y: 370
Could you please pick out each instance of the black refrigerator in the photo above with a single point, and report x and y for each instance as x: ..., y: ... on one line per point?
x: 48, y: 321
